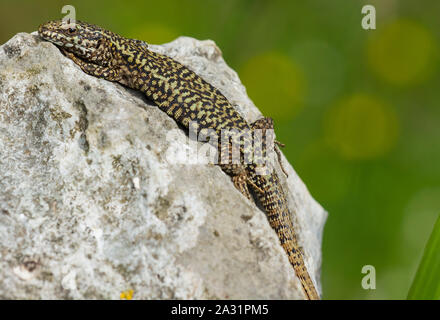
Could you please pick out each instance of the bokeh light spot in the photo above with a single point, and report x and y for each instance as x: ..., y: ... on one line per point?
x: 361, y: 127
x: 275, y: 84
x: 401, y: 53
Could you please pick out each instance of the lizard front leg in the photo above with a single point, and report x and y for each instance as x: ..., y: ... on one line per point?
x: 108, y: 73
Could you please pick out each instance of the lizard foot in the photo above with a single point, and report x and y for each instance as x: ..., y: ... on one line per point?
x: 240, y: 182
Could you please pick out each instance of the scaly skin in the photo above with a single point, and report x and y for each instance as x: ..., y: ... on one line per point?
x: 191, y: 102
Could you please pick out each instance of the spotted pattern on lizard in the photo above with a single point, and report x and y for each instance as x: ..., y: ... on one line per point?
x: 193, y: 103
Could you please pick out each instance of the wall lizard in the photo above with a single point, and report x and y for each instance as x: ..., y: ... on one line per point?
x: 193, y: 103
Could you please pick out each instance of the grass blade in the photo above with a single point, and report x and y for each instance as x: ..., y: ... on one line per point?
x: 426, y: 284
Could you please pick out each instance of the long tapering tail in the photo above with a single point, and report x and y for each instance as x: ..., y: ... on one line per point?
x: 274, y: 203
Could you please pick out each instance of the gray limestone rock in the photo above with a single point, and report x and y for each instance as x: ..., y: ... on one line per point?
x: 96, y: 197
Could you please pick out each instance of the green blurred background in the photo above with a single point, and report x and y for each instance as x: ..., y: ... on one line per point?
x: 357, y: 109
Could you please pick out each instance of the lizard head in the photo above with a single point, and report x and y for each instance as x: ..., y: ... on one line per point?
x: 86, y: 41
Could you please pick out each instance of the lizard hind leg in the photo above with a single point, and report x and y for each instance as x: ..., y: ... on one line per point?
x: 266, y: 123
x: 240, y: 182
x: 239, y: 178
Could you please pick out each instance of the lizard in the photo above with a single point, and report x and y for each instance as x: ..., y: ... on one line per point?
x: 193, y: 103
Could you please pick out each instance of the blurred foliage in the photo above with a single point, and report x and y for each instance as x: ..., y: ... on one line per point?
x: 358, y: 110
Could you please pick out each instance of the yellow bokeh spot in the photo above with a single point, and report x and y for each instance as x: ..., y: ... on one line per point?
x: 154, y: 33
x: 275, y: 84
x: 126, y: 295
x: 401, y: 53
x: 361, y: 127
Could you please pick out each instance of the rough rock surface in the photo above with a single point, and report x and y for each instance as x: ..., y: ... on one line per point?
x: 91, y: 204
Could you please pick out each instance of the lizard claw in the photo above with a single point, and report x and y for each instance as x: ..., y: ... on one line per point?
x: 279, y: 144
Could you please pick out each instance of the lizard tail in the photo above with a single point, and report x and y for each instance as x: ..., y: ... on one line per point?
x: 274, y: 203
x: 281, y: 223
x: 297, y: 261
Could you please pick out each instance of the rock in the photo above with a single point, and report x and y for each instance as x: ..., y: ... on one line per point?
x: 92, y: 206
